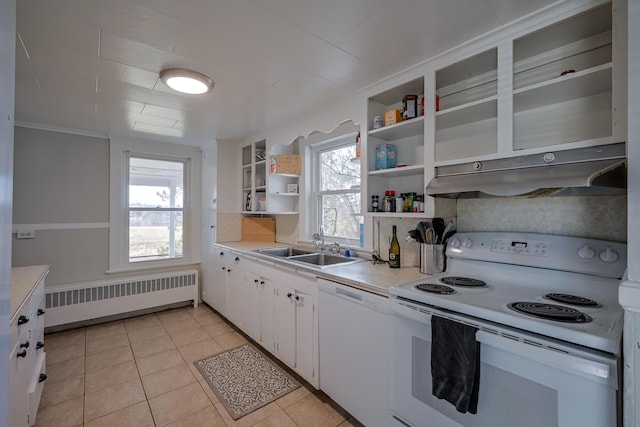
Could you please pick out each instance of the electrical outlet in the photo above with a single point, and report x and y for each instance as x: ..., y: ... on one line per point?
x: 26, y: 234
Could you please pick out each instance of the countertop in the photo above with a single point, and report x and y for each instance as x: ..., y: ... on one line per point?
x: 362, y: 275
x: 23, y: 282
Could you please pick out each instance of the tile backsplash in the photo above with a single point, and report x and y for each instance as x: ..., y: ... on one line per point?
x: 598, y: 217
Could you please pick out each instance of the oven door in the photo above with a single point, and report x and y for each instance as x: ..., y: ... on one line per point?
x: 525, y: 379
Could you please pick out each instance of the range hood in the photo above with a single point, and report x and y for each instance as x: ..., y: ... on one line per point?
x: 582, y: 171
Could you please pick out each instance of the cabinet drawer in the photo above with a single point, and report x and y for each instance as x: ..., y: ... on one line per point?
x: 36, y: 386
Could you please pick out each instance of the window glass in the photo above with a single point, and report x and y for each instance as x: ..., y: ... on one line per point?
x: 339, y: 191
x: 155, y: 209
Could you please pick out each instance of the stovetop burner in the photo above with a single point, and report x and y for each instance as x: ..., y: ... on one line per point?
x: 434, y: 288
x: 554, y: 312
x: 463, y: 281
x: 572, y: 300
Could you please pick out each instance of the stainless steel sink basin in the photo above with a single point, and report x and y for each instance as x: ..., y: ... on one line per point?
x: 323, y: 260
x: 284, y: 252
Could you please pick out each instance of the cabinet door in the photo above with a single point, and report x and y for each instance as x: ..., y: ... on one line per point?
x: 235, y: 295
x: 285, y: 316
x: 214, y: 289
x: 267, y: 314
x: 252, y: 304
x: 305, y: 339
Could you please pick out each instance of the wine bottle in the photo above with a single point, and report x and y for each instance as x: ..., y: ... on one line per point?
x: 394, y: 251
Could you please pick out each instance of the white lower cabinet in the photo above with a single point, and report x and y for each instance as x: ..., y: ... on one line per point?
x: 234, y: 284
x: 259, y: 321
x: 296, y: 337
x: 276, y: 308
x: 218, y: 278
x: 285, y: 331
x: 27, y: 357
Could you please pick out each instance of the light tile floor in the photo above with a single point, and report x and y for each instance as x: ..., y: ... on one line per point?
x: 139, y: 372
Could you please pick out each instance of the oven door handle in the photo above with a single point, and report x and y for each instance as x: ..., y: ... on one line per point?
x: 601, y: 371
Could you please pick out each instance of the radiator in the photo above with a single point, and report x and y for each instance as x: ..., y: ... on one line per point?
x: 80, y: 302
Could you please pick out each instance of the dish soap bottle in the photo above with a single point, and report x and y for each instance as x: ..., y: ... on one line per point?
x: 394, y: 251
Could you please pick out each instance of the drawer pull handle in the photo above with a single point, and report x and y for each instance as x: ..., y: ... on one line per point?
x: 25, y: 345
x: 22, y: 320
x: 23, y: 353
x: 42, y: 378
x: 40, y: 312
x: 39, y: 345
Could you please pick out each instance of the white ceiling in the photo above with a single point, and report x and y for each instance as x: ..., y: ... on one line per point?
x: 92, y: 65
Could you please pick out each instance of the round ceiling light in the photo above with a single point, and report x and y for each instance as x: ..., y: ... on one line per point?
x: 186, y: 81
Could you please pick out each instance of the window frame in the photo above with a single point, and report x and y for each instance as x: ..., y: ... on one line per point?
x: 120, y: 149
x: 317, y: 194
x: 186, y: 172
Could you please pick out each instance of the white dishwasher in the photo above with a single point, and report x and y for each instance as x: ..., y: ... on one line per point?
x: 354, y: 351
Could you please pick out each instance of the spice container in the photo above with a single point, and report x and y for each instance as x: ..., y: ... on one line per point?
x: 389, y: 201
x: 410, y: 107
x: 375, y: 203
x: 378, y: 122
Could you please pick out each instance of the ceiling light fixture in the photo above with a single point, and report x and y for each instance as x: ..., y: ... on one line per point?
x: 186, y: 81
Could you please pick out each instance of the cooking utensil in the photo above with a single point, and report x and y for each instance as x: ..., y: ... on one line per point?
x: 430, y: 236
x: 438, y: 228
x: 416, y: 235
x: 447, y: 235
x: 448, y: 228
x: 421, y: 227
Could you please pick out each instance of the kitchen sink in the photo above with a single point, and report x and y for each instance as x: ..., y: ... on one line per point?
x: 323, y: 260
x: 313, y: 259
x: 284, y: 252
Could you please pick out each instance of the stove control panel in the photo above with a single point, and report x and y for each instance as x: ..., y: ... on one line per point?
x: 564, y: 253
x: 521, y: 247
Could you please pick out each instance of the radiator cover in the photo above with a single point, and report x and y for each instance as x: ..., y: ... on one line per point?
x: 79, y: 302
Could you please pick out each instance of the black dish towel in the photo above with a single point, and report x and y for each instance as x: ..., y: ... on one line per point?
x: 455, y: 363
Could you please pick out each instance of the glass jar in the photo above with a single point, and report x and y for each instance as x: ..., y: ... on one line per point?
x: 389, y: 201
x: 375, y: 203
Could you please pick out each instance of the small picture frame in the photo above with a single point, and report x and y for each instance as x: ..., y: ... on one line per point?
x: 292, y: 188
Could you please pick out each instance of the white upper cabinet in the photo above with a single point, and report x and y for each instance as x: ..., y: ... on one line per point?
x: 466, y: 116
x: 562, y: 82
x: 547, y: 88
x: 405, y: 140
x: 254, y: 177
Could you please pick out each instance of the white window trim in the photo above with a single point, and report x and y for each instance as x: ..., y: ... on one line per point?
x: 315, y: 149
x: 118, y: 224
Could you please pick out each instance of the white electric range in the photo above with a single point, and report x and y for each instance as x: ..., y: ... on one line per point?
x: 545, y: 307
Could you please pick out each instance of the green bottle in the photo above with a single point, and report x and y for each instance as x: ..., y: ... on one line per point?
x: 394, y: 251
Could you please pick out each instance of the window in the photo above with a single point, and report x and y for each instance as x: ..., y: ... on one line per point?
x: 338, y: 187
x: 155, y: 208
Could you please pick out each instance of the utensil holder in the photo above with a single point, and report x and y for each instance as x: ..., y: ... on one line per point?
x: 431, y: 258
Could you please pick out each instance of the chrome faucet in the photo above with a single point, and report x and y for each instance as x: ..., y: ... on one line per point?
x: 334, y: 248
x: 318, y: 240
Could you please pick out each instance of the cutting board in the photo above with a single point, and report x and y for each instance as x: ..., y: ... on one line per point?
x: 259, y: 229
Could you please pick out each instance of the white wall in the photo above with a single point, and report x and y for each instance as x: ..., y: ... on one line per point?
x: 7, y: 66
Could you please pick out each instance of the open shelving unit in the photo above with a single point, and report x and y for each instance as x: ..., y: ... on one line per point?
x: 467, y: 122
x: 563, y: 82
x: 407, y: 136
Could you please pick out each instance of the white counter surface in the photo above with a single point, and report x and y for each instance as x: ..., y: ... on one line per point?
x: 362, y: 275
x: 23, y: 281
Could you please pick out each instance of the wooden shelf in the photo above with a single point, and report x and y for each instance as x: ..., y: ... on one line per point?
x: 284, y: 194
x: 400, y: 130
x: 286, y: 175
x: 563, y: 88
x: 396, y: 214
x: 467, y: 113
x: 402, y: 171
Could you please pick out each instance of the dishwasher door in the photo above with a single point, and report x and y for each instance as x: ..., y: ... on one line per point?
x: 354, y: 352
